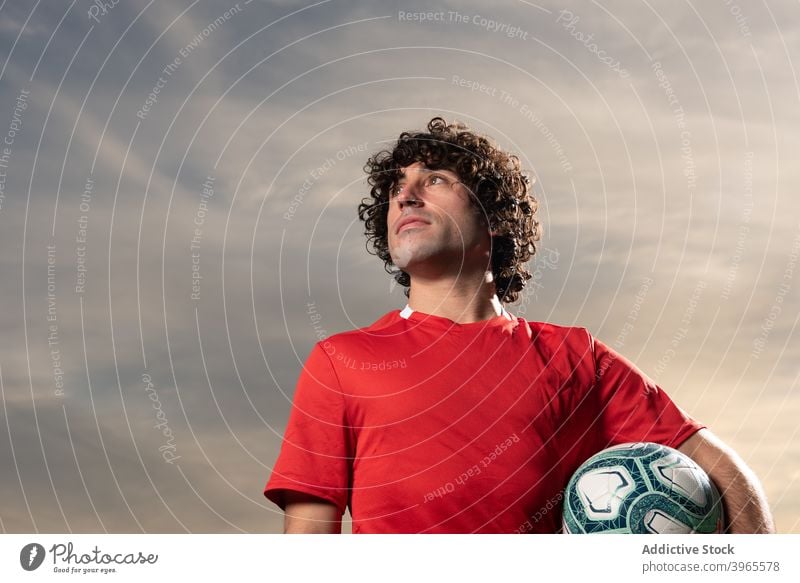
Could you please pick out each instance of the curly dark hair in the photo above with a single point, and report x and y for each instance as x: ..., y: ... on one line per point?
x: 500, y: 193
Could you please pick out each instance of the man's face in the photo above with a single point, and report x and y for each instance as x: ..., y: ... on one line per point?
x: 447, y: 234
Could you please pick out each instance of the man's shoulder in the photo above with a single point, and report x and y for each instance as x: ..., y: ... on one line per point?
x: 569, y: 349
x: 549, y: 332
x: 386, y: 325
x: 569, y: 343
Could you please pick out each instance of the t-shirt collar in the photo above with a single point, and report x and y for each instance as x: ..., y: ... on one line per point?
x: 407, y: 311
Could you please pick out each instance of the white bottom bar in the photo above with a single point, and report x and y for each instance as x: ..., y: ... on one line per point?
x: 388, y: 558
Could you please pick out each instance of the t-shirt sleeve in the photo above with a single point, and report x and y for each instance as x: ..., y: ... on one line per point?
x: 316, y: 453
x: 633, y: 407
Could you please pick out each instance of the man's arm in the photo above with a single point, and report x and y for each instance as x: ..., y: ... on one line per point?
x: 744, y: 501
x: 310, y: 515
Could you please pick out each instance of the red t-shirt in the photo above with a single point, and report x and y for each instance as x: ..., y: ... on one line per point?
x: 426, y: 425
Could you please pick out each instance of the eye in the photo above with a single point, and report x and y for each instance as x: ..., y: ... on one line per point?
x: 395, y: 190
x: 435, y: 179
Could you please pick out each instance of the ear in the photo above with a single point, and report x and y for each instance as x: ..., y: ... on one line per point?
x: 487, y: 224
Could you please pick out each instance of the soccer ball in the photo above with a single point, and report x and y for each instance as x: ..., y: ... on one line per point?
x: 641, y: 488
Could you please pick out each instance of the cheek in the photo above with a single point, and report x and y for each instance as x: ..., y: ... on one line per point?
x: 459, y: 223
x: 390, y: 219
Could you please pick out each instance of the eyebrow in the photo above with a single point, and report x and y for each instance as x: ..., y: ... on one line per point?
x: 403, y: 177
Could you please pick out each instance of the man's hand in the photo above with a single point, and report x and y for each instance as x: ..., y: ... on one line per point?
x: 310, y: 515
x: 743, y: 498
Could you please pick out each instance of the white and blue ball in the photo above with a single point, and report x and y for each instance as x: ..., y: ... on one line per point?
x: 641, y: 488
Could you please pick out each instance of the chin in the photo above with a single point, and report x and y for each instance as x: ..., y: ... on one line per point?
x: 405, y: 256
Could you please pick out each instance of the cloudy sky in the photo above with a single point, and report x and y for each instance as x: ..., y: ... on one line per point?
x: 178, y: 181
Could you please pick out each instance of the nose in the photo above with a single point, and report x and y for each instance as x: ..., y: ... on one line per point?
x: 408, y: 196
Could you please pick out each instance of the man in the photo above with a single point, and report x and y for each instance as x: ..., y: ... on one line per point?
x: 452, y: 415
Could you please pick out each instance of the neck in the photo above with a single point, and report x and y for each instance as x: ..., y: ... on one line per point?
x: 462, y: 300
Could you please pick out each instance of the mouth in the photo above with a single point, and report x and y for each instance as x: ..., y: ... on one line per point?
x: 411, y: 223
